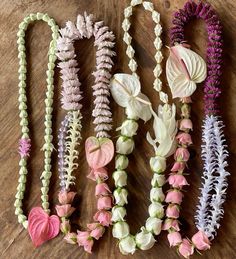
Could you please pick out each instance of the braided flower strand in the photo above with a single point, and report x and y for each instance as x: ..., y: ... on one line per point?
x: 99, y: 149
x: 184, y: 63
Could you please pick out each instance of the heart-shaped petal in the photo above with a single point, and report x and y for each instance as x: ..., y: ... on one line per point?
x: 42, y: 227
x: 99, y: 152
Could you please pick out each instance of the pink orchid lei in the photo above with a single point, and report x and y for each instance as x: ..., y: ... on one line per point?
x: 214, y: 153
x: 99, y: 149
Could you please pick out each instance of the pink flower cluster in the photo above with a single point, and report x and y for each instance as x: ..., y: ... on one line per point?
x: 24, y: 147
x: 94, y: 230
x: 174, y: 196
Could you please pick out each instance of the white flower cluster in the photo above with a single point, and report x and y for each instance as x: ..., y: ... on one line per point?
x: 143, y: 240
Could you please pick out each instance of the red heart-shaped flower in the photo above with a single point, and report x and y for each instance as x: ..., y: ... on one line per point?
x: 99, y: 152
x: 42, y: 227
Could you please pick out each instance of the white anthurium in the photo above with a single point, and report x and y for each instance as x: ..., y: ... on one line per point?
x: 127, y: 245
x: 184, y: 69
x: 144, y: 239
x: 120, y: 230
x: 154, y: 225
x: 165, y: 129
x: 126, y: 91
x: 118, y: 213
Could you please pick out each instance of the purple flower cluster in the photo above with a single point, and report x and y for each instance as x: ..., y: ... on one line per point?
x: 24, y: 147
x: 214, y: 46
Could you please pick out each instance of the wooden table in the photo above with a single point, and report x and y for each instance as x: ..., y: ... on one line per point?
x: 15, y: 242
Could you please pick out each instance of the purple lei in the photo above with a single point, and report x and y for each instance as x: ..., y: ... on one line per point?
x: 214, y: 47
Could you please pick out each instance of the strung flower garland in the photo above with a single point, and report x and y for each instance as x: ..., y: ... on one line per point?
x: 126, y: 91
x: 184, y: 69
x: 41, y: 226
x: 99, y: 149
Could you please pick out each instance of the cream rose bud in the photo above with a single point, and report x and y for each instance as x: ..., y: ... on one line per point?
x: 120, y: 196
x: 124, y: 145
x: 154, y: 225
x: 155, y: 209
x: 127, y: 245
x: 122, y: 162
x: 120, y: 178
x: 158, y: 164
x: 145, y: 239
x: 156, y: 194
x: 120, y: 230
x: 129, y: 128
x: 158, y: 180
x: 118, y: 213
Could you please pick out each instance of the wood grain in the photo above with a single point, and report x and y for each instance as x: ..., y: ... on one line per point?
x: 15, y: 242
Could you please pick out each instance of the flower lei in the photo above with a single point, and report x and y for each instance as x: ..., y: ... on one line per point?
x: 184, y: 69
x: 41, y: 226
x: 99, y: 149
x: 126, y: 91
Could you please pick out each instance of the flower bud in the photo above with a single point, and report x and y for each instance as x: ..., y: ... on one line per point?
x: 120, y: 178
x: 145, y: 240
x: 129, y: 128
x: 155, y: 209
x: 120, y: 196
x: 127, y: 245
x: 158, y: 164
x: 158, y: 180
x: 124, y: 145
x: 120, y: 230
x: 156, y: 194
x: 154, y: 225
x: 118, y: 213
x: 65, y: 226
x: 121, y: 162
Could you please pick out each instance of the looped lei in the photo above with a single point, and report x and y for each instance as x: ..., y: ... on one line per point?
x: 126, y: 91
x: 99, y: 149
x: 184, y: 70
x: 41, y: 226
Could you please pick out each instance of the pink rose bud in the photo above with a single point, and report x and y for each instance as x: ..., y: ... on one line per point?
x: 65, y: 226
x: 186, y: 124
x: 178, y: 166
x: 182, y: 154
x: 82, y: 237
x: 103, y: 217
x: 102, y: 189
x: 171, y: 224
x: 97, y: 230
x: 104, y: 203
x: 201, y: 241
x: 186, y: 248
x: 65, y: 197
x: 88, y: 245
x: 172, y: 211
x: 184, y: 138
x: 174, y: 238
x: 98, y: 173
x: 174, y: 196
x: 64, y: 210
x: 71, y: 238
x: 177, y: 180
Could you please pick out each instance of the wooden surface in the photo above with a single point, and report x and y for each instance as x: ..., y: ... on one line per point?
x: 15, y: 242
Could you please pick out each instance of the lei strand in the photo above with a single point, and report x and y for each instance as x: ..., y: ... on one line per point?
x: 184, y: 63
x: 41, y: 227
x: 99, y: 149
x: 126, y: 91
